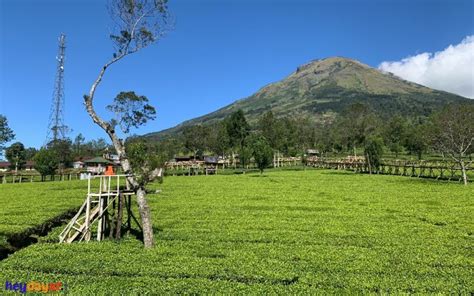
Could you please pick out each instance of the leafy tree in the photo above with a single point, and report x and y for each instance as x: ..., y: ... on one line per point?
x: 16, y: 156
x: 195, y: 138
x: 218, y: 139
x: 271, y: 129
x: 30, y: 153
x: 63, y: 151
x: 395, y: 133
x: 145, y: 160
x: 46, y: 162
x: 261, y: 152
x: 169, y: 147
x: 98, y: 147
x: 131, y: 111
x: 325, y: 137
x: 78, y: 145
x: 290, y: 138
x: 139, y: 23
x: 245, y: 154
x: 238, y: 129
x: 453, y: 133
x: 81, y: 148
x: 373, y: 150
x: 6, y: 133
x: 305, y: 136
x: 356, y: 124
x: 415, y: 140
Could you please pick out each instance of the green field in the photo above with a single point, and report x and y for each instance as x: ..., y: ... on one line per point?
x: 313, y: 231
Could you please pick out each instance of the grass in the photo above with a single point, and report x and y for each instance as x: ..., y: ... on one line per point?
x: 311, y: 231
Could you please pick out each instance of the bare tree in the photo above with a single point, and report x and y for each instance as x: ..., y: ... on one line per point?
x: 138, y: 24
x: 453, y: 134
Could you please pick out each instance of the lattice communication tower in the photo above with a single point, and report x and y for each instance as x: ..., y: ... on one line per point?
x: 56, y: 128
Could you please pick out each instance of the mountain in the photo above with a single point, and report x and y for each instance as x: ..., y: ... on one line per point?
x: 323, y: 88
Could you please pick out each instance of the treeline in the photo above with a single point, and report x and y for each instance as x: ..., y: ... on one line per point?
x: 448, y: 133
x: 56, y: 155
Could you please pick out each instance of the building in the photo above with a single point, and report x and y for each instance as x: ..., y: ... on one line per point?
x: 78, y: 164
x: 4, y: 166
x: 97, y: 165
x: 27, y: 166
x: 312, y: 152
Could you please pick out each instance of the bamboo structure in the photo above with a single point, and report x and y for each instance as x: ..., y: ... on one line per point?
x: 98, y: 207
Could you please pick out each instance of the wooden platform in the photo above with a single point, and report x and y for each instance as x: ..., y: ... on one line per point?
x: 99, y: 205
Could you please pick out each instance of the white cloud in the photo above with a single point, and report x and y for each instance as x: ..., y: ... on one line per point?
x: 451, y: 69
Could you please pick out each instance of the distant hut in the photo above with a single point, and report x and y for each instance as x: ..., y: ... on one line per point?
x: 4, y: 166
x: 312, y: 152
x: 211, y: 160
x: 29, y: 165
x: 97, y: 165
x: 210, y: 164
x: 78, y: 164
x: 182, y: 158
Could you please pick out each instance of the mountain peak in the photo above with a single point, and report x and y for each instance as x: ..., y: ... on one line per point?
x: 330, y: 63
x: 324, y: 87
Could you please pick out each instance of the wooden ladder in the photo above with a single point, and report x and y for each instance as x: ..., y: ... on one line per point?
x: 93, y: 210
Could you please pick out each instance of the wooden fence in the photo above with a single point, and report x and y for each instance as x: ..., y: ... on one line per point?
x: 25, y: 178
x: 420, y: 169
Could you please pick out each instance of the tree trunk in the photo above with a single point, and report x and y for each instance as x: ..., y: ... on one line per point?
x: 145, y: 216
x: 118, y: 227
x: 464, y: 175
x: 140, y: 191
x: 368, y: 163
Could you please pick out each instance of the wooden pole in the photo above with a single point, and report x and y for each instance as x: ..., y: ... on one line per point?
x: 129, y: 213
x: 101, y: 217
x: 88, y: 210
x: 118, y: 227
x: 112, y: 222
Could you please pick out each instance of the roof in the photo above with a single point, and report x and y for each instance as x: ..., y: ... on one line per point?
x: 182, y: 158
x: 6, y: 164
x: 210, y: 159
x: 98, y: 159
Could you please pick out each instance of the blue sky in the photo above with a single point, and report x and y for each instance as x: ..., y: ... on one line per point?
x: 218, y: 52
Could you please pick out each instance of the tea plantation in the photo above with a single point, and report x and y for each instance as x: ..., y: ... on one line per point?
x: 24, y: 206
x: 313, y: 231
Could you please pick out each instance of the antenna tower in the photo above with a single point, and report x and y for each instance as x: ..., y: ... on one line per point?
x: 56, y: 127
